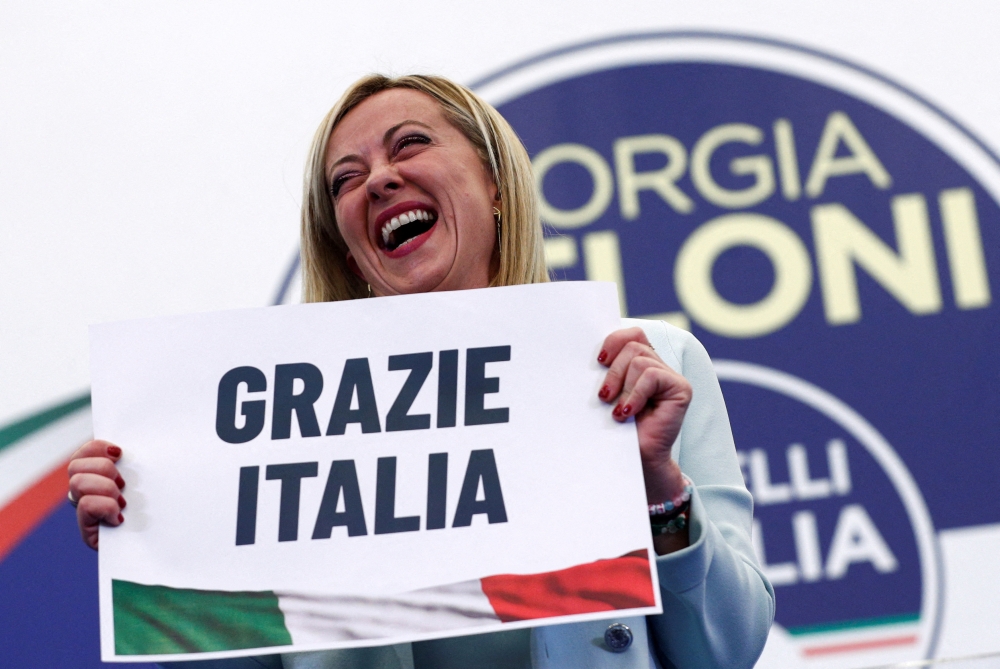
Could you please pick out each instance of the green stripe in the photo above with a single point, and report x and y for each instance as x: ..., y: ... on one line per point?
x: 22, y: 428
x: 154, y: 619
x: 854, y: 624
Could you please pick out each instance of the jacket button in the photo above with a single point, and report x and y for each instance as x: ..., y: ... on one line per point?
x: 618, y: 637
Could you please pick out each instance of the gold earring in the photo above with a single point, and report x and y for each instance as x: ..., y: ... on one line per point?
x: 369, y: 290
x: 496, y: 217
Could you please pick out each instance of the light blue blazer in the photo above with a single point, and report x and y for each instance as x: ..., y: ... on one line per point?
x: 717, y: 605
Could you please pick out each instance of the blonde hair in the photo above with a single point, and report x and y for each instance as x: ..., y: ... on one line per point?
x: 325, y: 274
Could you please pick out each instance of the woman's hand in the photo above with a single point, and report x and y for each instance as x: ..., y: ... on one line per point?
x: 96, y: 485
x: 640, y: 384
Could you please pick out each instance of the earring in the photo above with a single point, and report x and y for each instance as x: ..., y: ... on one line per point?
x: 369, y: 290
x: 496, y: 217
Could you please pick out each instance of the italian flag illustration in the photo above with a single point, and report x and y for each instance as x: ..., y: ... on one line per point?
x: 155, y: 620
x: 34, y: 452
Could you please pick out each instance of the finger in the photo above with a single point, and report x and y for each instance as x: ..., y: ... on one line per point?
x: 637, y: 366
x: 90, y: 536
x: 98, y: 448
x: 90, y: 532
x: 96, y: 509
x: 98, y: 466
x: 616, y: 341
x: 615, y: 378
x: 660, y: 383
x: 81, y: 485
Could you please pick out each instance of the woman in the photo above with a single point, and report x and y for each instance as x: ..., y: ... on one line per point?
x: 414, y: 184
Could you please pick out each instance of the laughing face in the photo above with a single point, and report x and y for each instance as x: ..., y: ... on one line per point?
x: 413, y: 199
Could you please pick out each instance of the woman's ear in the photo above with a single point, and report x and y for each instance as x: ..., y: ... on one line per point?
x: 352, y: 264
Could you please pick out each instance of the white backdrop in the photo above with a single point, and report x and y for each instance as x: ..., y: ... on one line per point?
x: 151, y: 154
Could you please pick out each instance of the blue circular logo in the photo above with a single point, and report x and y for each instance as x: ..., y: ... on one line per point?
x: 835, y: 234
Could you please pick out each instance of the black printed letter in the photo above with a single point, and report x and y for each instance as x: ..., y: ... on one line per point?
x: 477, y: 385
x: 225, y: 408
x: 358, y: 375
x: 246, y: 506
x: 343, y: 477
x: 437, y: 490
x: 386, y: 521
x: 447, y: 387
x: 397, y: 418
x: 291, y: 485
x: 285, y: 402
x: 481, y: 466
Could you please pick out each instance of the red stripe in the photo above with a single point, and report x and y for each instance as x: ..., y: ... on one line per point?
x: 860, y: 645
x: 605, y: 585
x: 31, y: 507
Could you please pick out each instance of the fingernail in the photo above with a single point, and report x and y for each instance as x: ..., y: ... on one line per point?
x: 121, y: 502
x: 120, y: 481
x: 121, y: 518
x: 602, y: 356
x: 603, y: 393
x: 627, y: 409
x: 114, y: 451
x: 617, y: 413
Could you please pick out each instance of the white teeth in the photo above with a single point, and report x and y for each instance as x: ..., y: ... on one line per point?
x: 401, y: 220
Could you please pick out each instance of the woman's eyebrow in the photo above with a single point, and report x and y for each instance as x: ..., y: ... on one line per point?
x: 391, y: 131
x: 343, y: 159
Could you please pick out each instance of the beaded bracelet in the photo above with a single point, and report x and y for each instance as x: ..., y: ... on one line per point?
x: 676, y: 503
x: 672, y: 526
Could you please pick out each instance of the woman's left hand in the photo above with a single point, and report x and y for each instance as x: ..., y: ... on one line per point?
x: 640, y: 384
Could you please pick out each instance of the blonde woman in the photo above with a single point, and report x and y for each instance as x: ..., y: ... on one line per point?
x: 414, y: 184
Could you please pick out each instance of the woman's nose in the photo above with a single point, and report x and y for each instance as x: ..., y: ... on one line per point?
x: 383, y: 181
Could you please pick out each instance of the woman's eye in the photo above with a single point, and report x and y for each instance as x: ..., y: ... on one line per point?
x: 411, y: 139
x: 338, y: 184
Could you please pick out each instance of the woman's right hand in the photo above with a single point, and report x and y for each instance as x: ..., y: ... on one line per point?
x: 96, y: 485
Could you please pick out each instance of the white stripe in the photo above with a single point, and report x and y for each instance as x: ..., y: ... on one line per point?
x: 25, y: 462
x: 317, y: 619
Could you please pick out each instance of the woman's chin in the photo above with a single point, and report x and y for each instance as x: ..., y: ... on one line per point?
x: 429, y: 277
x: 421, y: 275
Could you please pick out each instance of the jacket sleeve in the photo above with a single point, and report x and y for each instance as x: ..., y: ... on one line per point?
x: 717, y: 604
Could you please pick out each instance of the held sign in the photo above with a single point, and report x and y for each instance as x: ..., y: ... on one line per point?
x: 367, y: 472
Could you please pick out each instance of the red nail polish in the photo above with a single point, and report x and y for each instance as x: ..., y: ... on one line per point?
x: 617, y: 412
x: 120, y: 481
x: 602, y: 356
x: 114, y: 451
x: 121, y: 518
x: 627, y: 409
x: 603, y: 394
x: 121, y: 502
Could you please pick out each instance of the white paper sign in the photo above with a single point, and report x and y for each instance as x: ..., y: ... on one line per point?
x: 366, y: 472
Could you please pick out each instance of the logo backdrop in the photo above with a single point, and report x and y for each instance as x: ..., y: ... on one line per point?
x: 838, y: 233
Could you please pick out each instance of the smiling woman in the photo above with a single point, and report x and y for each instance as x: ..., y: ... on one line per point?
x: 427, y: 147
x: 413, y: 185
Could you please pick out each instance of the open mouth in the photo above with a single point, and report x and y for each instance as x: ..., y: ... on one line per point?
x: 406, y: 227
